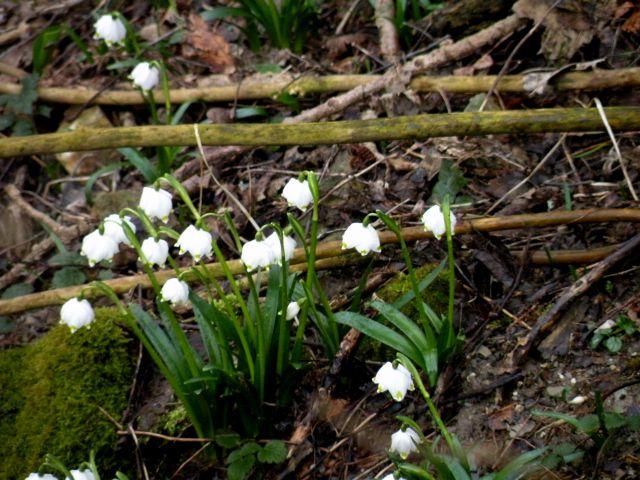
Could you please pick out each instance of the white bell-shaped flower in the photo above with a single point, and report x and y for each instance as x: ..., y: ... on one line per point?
x: 292, y: 310
x: 81, y: 475
x: 76, y: 314
x: 175, y: 291
x: 363, y: 239
x: 44, y: 476
x: 156, y: 203
x: 395, y: 380
x: 155, y: 251
x: 97, y: 247
x: 289, y: 243
x: 433, y: 220
x: 145, y: 76
x: 297, y: 194
x: 257, y: 254
x: 113, y: 228
x: 110, y: 29
x: 403, y: 442
x: 391, y: 476
x: 195, y: 241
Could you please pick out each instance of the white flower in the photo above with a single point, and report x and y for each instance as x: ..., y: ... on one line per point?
x: 97, y: 247
x: 608, y: 325
x: 257, y: 254
x: 81, y: 475
x: 175, y: 291
x: 113, y: 228
x: 273, y: 242
x: 156, y: 203
x: 76, y: 314
x: 363, y: 239
x: 394, y: 380
x: 392, y: 477
x: 579, y: 400
x: 433, y: 220
x: 110, y: 29
x: 404, y: 442
x: 195, y: 241
x: 292, y: 310
x: 297, y: 193
x: 155, y: 251
x: 36, y: 476
x: 145, y: 76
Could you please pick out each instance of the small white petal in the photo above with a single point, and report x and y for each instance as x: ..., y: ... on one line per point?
x: 297, y: 194
x: 292, y: 310
x: 156, y: 203
x: 405, y: 442
x: 397, y: 381
x: 273, y: 242
x: 175, y: 291
x: 145, y: 76
x: 76, y: 314
x: 97, y: 247
x: 433, y: 220
x: 195, y: 241
x: 257, y: 254
x: 113, y: 228
x: 363, y: 239
x: 156, y: 252
x: 110, y: 29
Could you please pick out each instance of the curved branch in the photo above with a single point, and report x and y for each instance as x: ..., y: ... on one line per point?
x: 327, y: 252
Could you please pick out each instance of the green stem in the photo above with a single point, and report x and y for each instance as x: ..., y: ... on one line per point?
x: 452, y: 272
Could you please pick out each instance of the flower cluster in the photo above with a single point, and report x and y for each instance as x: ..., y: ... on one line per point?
x: 262, y: 253
x: 396, y: 380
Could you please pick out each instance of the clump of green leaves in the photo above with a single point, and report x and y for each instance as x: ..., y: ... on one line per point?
x: 243, y: 459
x: 18, y: 111
x: 611, y: 338
x: 286, y: 23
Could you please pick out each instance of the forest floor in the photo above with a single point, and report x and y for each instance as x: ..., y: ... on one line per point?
x: 490, y: 394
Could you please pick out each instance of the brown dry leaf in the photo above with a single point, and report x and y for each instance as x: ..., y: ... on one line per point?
x: 503, y: 418
x: 632, y: 24
x: 622, y: 10
x: 207, y: 46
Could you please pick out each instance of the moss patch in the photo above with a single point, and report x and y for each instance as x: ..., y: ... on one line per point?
x: 51, y: 390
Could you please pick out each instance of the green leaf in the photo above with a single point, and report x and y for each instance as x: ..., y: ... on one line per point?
x: 17, y: 290
x: 274, y: 451
x: 450, y: 181
x: 222, y: 12
x: 42, y: 45
x: 589, y: 424
x: 381, y: 333
x: 68, y: 276
x: 228, y: 440
x: 633, y: 422
x: 249, y: 448
x: 613, y: 344
x: 248, y: 112
x: 520, y: 465
x: 239, y: 469
x: 614, y: 420
x: 67, y: 258
x: 142, y: 163
x: 88, y: 187
x: 267, y: 68
x: 404, y: 324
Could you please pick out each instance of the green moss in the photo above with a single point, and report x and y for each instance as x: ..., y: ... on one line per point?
x: 435, y: 295
x: 51, y: 390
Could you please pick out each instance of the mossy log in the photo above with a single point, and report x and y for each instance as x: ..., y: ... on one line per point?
x: 327, y: 251
x: 348, y: 131
x: 309, y: 85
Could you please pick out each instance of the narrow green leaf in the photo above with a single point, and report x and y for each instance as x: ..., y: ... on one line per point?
x: 142, y: 163
x: 88, y: 187
x: 404, y: 324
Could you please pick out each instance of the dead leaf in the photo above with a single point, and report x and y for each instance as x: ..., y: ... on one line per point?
x: 207, y: 46
x: 632, y: 24
x: 622, y: 10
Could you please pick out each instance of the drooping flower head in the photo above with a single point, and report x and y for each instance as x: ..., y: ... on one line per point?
x: 258, y: 254
x: 195, y: 241
x: 97, y: 247
x: 37, y: 476
x: 273, y: 242
x: 110, y: 29
x: 403, y: 442
x: 297, y: 193
x: 433, y: 220
x: 395, y: 380
x: 175, y: 291
x: 145, y: 76
x: 81, y: 475
x: 392, y: 476
x: 76, y: 314
x: 292, y: 310
x: 155, y: 251
x: 113, y: 228
x: 156, y: 203
x: 363, y: 239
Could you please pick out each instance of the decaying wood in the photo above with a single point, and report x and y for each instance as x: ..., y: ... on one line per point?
x: 583, y: 284
x: 347, y: 131
x: 325, y: 252
x: 389, y: 42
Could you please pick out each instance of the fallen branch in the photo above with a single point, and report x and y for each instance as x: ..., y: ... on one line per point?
x: 347, y: 131
x: 326, y: 251
x: 310, y: 85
